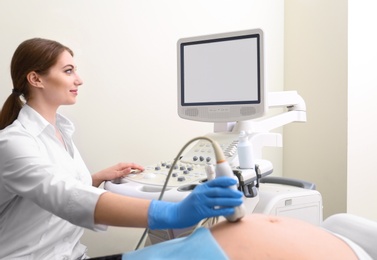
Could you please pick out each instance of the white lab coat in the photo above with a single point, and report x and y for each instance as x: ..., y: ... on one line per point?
x: 46, y: 191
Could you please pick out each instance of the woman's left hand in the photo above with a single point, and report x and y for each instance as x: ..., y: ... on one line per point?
x: 119, y: 170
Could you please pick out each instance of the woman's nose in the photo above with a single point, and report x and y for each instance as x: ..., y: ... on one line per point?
x: 78, y: 80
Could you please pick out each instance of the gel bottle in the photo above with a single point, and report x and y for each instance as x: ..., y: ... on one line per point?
x: 245, y: 152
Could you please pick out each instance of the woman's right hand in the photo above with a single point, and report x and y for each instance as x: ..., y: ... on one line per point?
x: 119, y: 170
x: 211, y: 199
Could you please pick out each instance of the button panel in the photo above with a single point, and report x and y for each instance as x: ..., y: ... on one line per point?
x: 183, y: 173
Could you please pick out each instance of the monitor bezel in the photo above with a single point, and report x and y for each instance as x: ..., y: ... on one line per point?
x: 212, y: 111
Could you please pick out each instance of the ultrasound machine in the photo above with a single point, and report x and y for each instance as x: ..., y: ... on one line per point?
x: 221, y: 80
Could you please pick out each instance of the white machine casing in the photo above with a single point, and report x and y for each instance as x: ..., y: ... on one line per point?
x: 290, y: 201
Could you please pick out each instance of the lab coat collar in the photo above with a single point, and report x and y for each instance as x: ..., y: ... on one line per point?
x: 36, y: 124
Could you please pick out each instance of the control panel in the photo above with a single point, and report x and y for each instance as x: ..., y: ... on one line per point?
x: 202, y: 152
x: 186, y: 173
x: 182, y: 173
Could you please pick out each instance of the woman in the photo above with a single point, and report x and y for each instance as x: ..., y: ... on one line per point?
x: 47, y: 195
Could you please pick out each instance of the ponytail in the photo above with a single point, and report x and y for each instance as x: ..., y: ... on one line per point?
x: 10, y: 110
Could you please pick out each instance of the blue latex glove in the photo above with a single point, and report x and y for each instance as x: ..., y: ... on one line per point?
x: 211, y: 199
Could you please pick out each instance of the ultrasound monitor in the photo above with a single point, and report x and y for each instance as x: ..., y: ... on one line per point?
x: 220, y: 77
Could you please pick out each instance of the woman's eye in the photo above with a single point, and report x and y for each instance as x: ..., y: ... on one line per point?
x: 69, y: 71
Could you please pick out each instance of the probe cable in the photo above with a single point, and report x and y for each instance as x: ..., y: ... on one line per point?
x: 170, y: 172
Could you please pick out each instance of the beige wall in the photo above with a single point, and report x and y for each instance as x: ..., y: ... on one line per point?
x: 316, y: 66
x: 330, y: 58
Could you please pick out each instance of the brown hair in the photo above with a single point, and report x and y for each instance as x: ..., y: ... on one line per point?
x: 37, y: 55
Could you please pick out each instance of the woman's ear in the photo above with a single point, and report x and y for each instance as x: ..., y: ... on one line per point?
x: 34, y: 79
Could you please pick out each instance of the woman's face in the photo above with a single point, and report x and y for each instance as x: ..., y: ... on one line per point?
x: 60, y: 84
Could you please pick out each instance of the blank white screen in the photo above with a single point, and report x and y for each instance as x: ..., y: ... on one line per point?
x: 221, y: 72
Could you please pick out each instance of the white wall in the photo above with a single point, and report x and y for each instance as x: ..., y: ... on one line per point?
x: 126, y: 55
x: 362, y: 107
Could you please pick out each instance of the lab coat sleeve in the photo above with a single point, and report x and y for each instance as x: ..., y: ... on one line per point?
x: 26, y: 171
